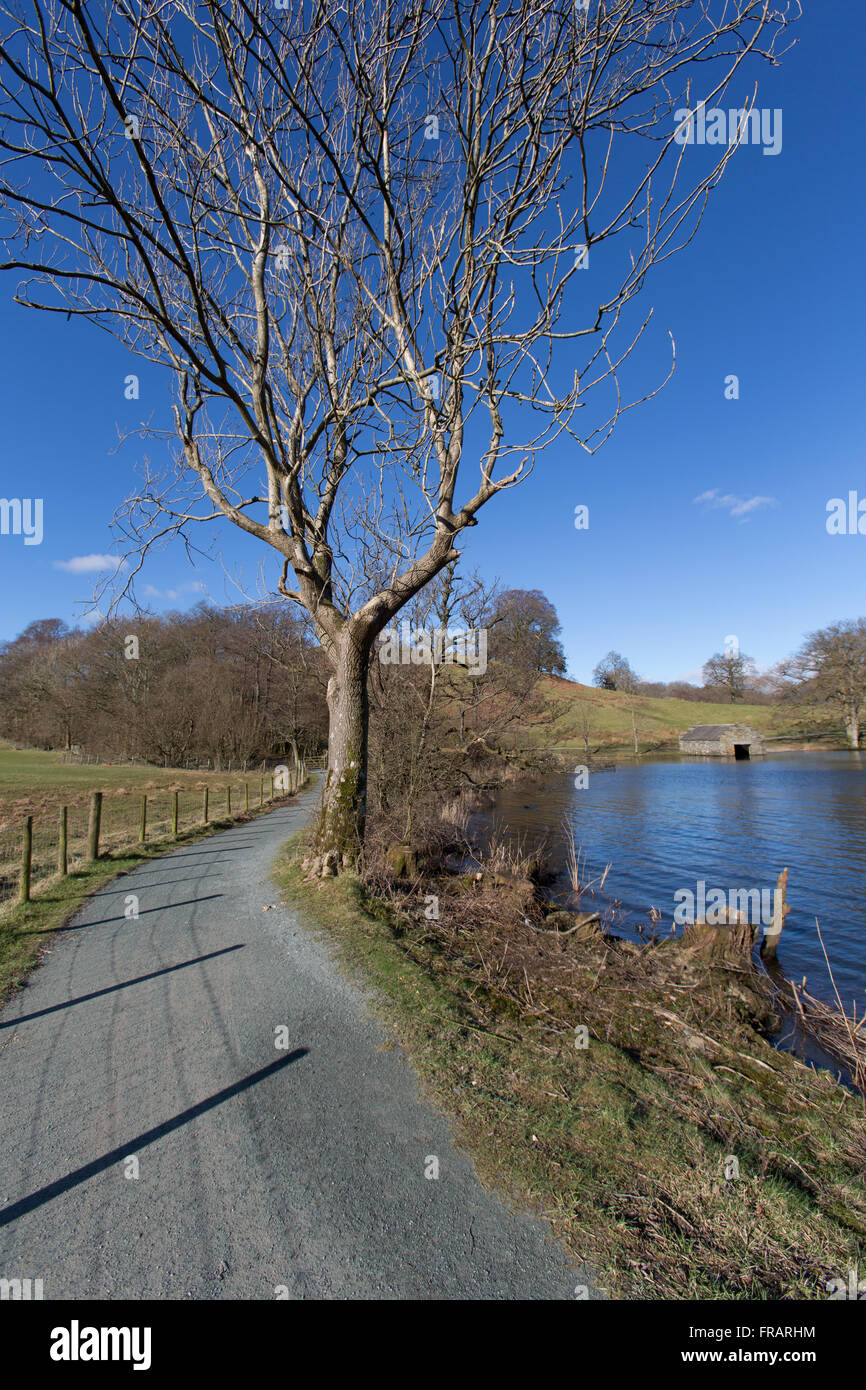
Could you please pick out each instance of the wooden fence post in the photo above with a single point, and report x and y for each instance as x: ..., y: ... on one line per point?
x: 142, y: 830
x: 204, y: 807
x: 246, y: 796
x: 26, y: 860
x: 93, y: 825
x: 174, y: 815
x: 262, y: 792
x: 62, y: 857
x: 273, y: 787
x: 228, y: 802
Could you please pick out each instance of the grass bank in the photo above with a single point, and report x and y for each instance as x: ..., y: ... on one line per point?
x: 628, y: 1094
x: 26, y: 928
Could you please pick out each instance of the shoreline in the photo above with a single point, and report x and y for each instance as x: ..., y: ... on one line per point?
x: 630, y: 1094
x: 655, y: 823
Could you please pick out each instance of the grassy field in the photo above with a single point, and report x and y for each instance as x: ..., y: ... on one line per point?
x: 38, y: 784
x: 33, y: 782
x: 659, y: 721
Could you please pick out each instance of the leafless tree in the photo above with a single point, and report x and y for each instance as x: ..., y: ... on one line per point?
x: 731, y: 672
x: 614, y: 672
x: 236, y: 685
x: 351, y: 310
x: 584, y: 712
x: 831, y: 667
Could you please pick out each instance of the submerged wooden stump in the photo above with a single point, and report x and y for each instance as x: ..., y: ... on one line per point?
x: 720, y: 942
x: 770, y: 943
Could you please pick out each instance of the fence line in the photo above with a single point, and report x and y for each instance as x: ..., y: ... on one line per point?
x: 240, y: 766
x: 49, y: 846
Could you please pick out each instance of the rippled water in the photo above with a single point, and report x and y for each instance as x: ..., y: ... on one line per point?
x: 666, y: 824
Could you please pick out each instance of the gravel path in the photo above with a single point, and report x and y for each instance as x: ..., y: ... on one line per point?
x: 149, y: 1045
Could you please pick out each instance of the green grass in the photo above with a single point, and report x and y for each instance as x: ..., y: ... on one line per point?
x: 32, y: 780
x: 621, y: 1147
x: 660, y: 721
x: 37, y: 784
x: 24, y: 768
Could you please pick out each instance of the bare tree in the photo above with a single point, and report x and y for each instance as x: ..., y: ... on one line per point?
x: 237, y: 684
x: 831, y: 667
x: 527, y: 632
x: 249, y: 197
x: 730, y: 672
x: 614, y: 672
x: 584, y: 711
x: 629, y: 684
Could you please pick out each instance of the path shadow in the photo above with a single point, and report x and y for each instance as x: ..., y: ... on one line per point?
x: 124, y: 984
x: 113, y: 892
x: 196, y: 853
x: 106, y: 921
x: 141, y: 1141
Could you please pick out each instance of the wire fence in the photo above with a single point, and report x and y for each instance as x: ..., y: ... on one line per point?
x: 51, y: 845
x: 238, y: 766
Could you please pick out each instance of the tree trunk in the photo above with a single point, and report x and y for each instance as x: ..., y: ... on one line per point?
x: 853, y: 727
x: 345, y: 799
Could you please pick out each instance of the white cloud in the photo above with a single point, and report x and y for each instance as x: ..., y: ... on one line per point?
x: 89, y: 564
x: 739, y: 507
x: 193, y: 586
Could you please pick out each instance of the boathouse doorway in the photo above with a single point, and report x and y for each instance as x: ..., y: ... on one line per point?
x: 741, y: 751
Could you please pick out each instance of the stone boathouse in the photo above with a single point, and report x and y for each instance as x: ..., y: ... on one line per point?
x: 722, y: 741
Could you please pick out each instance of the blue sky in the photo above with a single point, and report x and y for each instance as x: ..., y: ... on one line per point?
x: 771, y: 290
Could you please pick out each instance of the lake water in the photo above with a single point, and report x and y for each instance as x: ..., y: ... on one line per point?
x: 666, y: 824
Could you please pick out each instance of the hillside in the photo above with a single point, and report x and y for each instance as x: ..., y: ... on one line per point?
x: 660, y: 721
